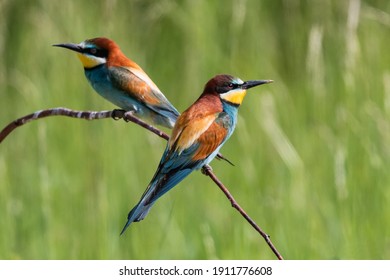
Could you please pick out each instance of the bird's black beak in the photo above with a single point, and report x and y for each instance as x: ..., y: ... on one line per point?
x: 250, y: 84
x: 70, y: 46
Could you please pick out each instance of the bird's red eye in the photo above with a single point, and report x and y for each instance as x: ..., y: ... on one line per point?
x: 233, y: 86
x: 96, y: 52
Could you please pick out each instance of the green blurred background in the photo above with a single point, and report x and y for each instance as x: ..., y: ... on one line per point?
x: 311, y: 150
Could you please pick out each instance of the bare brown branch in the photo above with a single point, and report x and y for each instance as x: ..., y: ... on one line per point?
x: 60, y: 111
x: 208, y: 171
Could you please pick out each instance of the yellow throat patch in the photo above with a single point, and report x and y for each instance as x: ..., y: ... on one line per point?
x: 90, y: 61
x: 234, y: 96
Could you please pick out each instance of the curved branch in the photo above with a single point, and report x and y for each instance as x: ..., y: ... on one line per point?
x: 208, y: 171
x: 128, y: 116
x: 60, y: 111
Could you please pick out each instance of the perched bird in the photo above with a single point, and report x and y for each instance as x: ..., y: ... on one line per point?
x: 122, y: 82
x: 196, y: 138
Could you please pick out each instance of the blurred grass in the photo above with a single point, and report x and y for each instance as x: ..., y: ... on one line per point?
x: 311, y: 150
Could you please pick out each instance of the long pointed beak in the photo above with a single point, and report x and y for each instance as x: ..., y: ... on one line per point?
x: 250, y: 84
x: 70, y: 46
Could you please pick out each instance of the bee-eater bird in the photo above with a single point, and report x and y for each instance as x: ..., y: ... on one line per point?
x: 122, y: 82
x: 199, y: 133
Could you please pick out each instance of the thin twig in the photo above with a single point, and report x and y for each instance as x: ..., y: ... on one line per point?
x: 60, y: 111
x: 208, y: 171
x: 128, y: 116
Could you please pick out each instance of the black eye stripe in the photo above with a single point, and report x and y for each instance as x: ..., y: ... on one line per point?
x: 96, y: 52
x: 227, y: 87
x: 233, y: 86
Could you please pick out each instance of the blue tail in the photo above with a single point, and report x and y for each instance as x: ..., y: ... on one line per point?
x: 160, y: 184
x: 137, y: 214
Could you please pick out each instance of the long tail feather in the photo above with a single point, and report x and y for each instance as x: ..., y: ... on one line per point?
x: 159, y: 186
x: 137, y: 214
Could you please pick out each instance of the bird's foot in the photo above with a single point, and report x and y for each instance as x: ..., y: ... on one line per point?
x: 206, y: 169
x: 117, y: 114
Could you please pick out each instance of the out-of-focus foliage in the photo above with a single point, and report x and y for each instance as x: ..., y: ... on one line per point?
x: 311, y: 150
